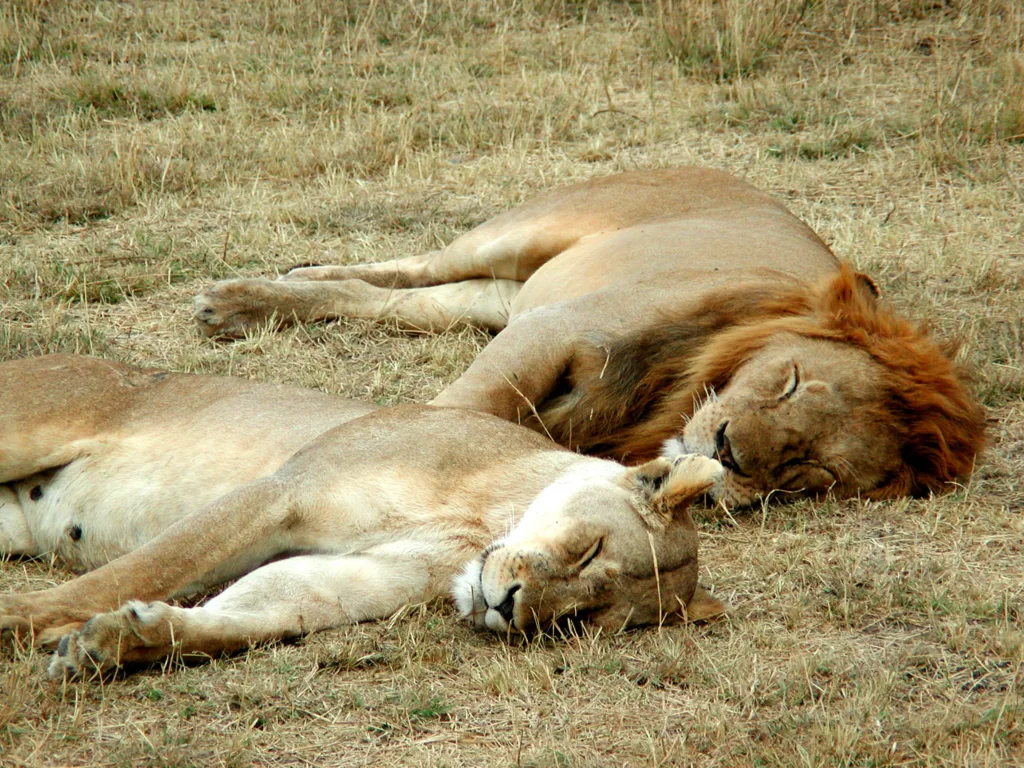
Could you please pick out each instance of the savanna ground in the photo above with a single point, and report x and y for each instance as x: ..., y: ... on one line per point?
x: 148, y: 148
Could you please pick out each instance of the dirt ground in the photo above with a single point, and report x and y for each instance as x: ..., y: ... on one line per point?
x: 149, y: 148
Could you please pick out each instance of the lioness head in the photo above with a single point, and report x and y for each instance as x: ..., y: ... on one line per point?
x: 605, y: 545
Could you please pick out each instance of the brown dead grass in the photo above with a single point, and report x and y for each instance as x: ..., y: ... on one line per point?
x: 146, y: 149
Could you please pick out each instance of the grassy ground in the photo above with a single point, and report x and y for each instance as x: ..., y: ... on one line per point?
x: 147, y: 148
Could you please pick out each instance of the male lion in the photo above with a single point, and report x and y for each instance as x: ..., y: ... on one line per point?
x: 169, y: 484
x: 674, y: 310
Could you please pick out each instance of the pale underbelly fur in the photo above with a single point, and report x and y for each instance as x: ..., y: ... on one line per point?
x: 89, y: 512
x: 106, y: 504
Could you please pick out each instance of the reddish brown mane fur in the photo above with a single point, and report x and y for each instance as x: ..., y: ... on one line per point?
x: 644, y: 386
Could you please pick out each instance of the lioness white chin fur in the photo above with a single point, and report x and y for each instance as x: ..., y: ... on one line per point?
x: 677, y: 305
x: 169, y: 484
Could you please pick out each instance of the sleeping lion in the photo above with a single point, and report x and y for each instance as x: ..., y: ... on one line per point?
x: 667, y: 312
x: 330, y: 511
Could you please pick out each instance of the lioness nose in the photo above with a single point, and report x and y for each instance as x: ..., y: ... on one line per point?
x: 504, y: 608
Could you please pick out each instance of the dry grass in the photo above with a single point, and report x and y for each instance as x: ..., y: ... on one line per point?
x: 146, y: 148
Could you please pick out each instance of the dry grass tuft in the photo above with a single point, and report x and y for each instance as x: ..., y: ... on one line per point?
x: 146, y: 149
x: 724, y: 39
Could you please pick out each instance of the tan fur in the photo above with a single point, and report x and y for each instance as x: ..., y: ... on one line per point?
x: 617, y: 302
x: 168, y: 484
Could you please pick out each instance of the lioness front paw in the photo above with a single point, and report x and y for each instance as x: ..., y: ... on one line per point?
x: 231, y: 307
x: 702, y: 470
x: 135, y: 632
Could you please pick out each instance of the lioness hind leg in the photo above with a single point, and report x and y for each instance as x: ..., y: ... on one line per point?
x: 15, y: 536
x: 231, y: 307
x: 284, y: 599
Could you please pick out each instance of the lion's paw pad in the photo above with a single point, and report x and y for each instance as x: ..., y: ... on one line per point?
x: 217, y: 315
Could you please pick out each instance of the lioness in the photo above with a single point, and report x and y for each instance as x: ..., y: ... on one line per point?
x: 169, y: 484
x: 675, y: 310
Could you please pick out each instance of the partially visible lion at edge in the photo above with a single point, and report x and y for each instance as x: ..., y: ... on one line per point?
x: 667, y: 312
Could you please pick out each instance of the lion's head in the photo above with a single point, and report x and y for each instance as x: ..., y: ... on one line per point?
x: 605, y: 545
x: 796, y: 390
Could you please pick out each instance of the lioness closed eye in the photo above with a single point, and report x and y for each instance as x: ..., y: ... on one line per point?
x: 169, y: 484
x: 631, y: 303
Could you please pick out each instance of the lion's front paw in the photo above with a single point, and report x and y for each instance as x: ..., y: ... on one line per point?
x: 231, y: 307
x: 698, y: 476
x: 72, y: 659
x: 135, y: 632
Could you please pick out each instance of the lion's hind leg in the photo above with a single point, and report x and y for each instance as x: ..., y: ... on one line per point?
x: 232, y: 307
x: 408, y: 272
x: 284, y: 599
x: 505, y: 248
x: 490, y: 261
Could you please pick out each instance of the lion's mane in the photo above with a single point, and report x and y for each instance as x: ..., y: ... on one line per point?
x: 630, y: 394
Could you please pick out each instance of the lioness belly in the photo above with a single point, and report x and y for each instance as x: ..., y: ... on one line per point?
x: 124, y: 490
x: 97, y: 508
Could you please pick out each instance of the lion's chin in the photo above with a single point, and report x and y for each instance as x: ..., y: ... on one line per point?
x: 468, y: 594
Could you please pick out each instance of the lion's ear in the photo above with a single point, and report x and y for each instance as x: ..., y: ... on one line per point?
x: 867, y: 286
x: 662, y: 488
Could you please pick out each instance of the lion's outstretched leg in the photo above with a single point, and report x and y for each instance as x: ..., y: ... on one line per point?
x: 231, y: 307
x: 217, y: 543
x: 509, y: 247
x: 409, y: 272
x: 284, y: 599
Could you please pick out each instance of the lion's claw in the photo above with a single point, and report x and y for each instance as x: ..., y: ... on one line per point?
x: 66, y: 661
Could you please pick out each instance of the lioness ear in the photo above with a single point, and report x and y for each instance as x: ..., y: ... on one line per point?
x: 662, y: 488
x: 701, y: 607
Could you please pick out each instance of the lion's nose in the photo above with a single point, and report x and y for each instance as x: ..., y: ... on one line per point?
x: 504, y: 608
x: 723, y: 451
